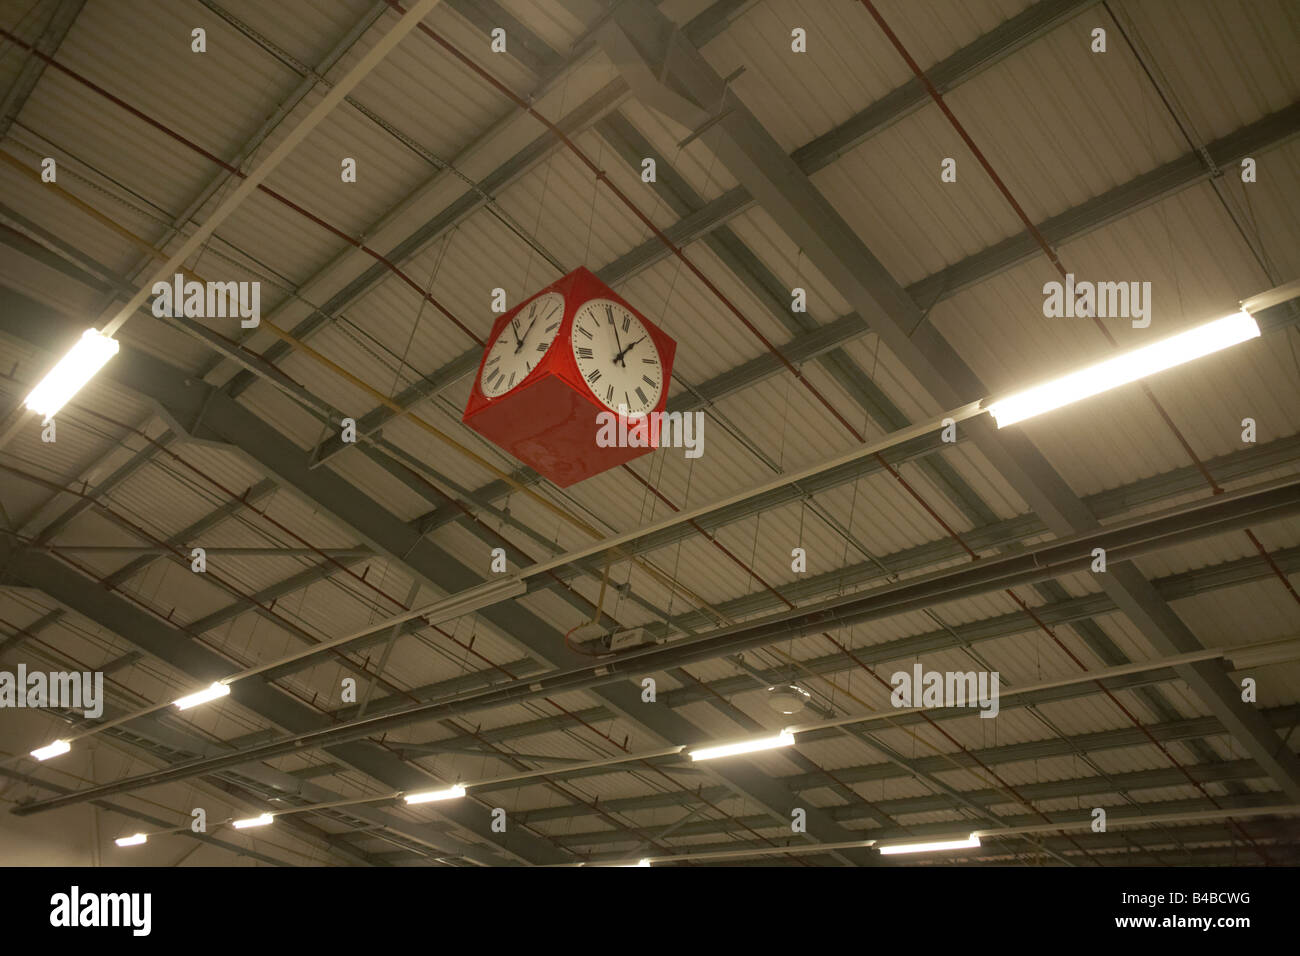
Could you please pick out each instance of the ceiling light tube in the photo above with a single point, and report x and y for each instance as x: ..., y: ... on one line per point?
x: 74, y: 370
x: 264, y: 820
x: 52, y: 750
x: 429, y: 796
x: 211, y: 692
x: 783, y: 739
x: 893, y: 848
x: 1125, y: 368
x: 133, y: 840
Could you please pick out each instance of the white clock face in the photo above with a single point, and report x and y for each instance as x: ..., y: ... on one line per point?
x: 617, y: 358
x: 522, y: 343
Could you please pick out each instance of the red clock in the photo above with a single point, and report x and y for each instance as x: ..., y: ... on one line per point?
x: 558, y: 366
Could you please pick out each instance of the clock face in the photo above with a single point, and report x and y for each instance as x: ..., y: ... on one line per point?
x: 522, y: 343
x: 617, y: 357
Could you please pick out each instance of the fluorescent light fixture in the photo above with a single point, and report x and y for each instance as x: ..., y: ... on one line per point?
x: 74, y: 370
x: 783, y: 739
x: 1128, y: 367
x: 133, y: 840
x: 52, y: 750
x: 971, y: 840
x: 641, y: 862
x: 428, y: 796
x: 211, y: 692
x: 264, y: 820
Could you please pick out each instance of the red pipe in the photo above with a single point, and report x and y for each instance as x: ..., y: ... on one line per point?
x: 140, y: 115
x: 937, y: 97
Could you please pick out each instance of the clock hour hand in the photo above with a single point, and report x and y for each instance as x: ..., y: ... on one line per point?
x: 619, y: 357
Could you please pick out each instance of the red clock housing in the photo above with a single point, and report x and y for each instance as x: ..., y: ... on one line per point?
x: 549, y: 420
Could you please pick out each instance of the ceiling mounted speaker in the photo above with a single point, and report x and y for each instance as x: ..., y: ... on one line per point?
x: 787, y: 698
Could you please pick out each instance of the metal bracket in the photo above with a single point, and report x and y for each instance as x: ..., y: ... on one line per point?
x: 723, y: 109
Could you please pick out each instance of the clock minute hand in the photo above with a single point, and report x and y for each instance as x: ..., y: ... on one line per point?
x: 614, y: 325
x: 529, y: 330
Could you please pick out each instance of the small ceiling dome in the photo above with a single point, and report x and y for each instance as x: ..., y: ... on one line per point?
x: 787, y: 698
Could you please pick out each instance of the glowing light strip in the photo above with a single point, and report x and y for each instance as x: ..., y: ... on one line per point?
x: 1127, y: 367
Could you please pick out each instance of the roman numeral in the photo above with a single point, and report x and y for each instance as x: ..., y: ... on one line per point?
x: 585, y: 331
x: 511, y: 383
x: 493, y: 360
x: 594, y: 376
x: 641, y: 395
x: 584, y: 352
x: 496, y: 374
x: 551, y: 326
x: 627, y: 322
x: 609, y: 314
x: 650, y: 361
x: 542, y: 346
x: 609, y: 394
x: 649, y: 381
x: 531, y: 309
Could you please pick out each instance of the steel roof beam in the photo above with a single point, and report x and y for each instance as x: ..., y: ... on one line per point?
x: 61, y: 17
x: 470, y: 201
x: 534, y: 54
x: 148, y: 818
x: 1056, y: 695
x: 613, y: 678
x: 211, y: 415
x: 1066, y: 611
x: 1106, y: 504
x: 980, y: 54
x: 667, y: 73
x: 184, y: 745
x: 987, y: 797
x: 1121, y: 847
x: 1012, y: 621
x: 1043, y: 749
x: 768, y: 290
x: 1173, y: 177
x: 1052, y: 612
x: 135, y: 625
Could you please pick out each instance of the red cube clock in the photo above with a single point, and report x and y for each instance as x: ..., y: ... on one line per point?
x: 556, y: 361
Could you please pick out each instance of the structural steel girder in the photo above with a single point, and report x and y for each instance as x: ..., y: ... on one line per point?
x: 157, y: 739
x: 59, y: 21
x: 205, y: 413
x: 965, y: 63
x: 1043, y: 749
x: 136, y: 625
x: 131, y: 813
x: 667, y: 72
x: 1174, y: 176
x: 1188, y: 523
